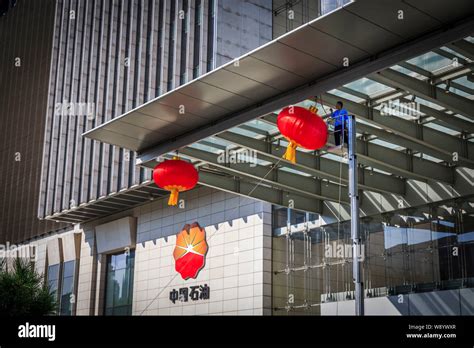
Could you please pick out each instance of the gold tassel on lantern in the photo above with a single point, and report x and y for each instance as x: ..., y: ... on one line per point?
x: 313, y: 109
x: 290, y: 153
x: 173, y: 200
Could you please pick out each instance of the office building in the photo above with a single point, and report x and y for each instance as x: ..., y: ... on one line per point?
x: 124, y: 85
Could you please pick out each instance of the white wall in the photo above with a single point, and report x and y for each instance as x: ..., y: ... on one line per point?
x: 238, y: 261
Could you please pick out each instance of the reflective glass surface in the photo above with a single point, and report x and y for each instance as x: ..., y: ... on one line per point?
x: 119, y: 283
x: 413, y: 250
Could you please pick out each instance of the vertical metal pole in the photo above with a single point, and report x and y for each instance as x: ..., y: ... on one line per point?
x: 355, y: 233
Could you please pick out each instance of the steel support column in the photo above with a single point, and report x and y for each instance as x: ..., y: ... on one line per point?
x: 355, y: 232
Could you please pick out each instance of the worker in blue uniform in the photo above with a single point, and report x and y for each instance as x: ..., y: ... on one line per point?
x: 340, y: 117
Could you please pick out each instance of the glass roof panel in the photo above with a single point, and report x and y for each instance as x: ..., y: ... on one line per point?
x: 408, y: 72
x: 429, y: 158
x: 380, y: 171
x: 428, y: 103
x: 207, y: 148
x: 265, y: 126
x: 246, y: 158
x: 219, y: 141
x: 441, y: 128
x: 387, y: 144
x: 463, y: 80
x: 401, y: 107
x: 333, y: 157
x: 245, y: 132
x: 457, y: 91
x: 463, y: 117
x: 431, y: 62
x: 294, y: 171
x: 369, y: 87
x: 346, y: 95
x: 448, y: 50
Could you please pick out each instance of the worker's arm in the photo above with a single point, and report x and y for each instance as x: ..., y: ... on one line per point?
x: 330, y: 118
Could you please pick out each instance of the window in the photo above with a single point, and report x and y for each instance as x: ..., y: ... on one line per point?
x: 197, y: 38
x: 171, y: 46
x: 184, y: 44
x: 61, y: 279
x: 159, y: 62
x: 68, y: 287
x: 331, y: 5
x: 53, y: 279
x: 119, y: 283
x: 210, y: 35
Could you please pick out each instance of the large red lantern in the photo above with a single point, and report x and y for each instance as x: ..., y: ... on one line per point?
x: 176, y: 176
x: 301, y: 127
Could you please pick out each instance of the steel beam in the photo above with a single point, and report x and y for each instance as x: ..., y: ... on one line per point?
x: 63, y: 218
x: 109, y: 203
x: 447, y: 120
x: 78, y: 215
x: 460, y: 69
x: 451, y: 56
x: 441, y: 118
x: 461, y: 87
x: 416, y: 69
x: 464, y: 48
x: 357, y: 248
x: 452, y: 74
x: 263, y: 192
x: 95, y: 208
x: 425, y: 90
x: 393, y: 161
x: 122, y: 198
x: 298, y: 184
x: 404, y: 133
x: 274, y: 196
x: 327, y: 169
x: 81, y: 212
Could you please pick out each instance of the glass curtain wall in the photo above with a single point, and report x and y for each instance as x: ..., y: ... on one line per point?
x: 119, y: 283
x: 61, y: 278
x: 68, y: 286
x: 53, y: 279
x: 420, y: 249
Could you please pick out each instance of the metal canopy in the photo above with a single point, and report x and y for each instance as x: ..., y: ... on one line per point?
x: 235, y: 92
x: 110, y: 204
x: 234, y: 108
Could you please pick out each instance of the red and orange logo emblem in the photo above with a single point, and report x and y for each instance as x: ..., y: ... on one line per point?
x: 190, y: 251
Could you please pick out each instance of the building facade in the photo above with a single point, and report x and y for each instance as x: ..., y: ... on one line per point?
x: 26, y: 35
x: 125, y: 262
x: 110, y: 57
x: 107, y: 242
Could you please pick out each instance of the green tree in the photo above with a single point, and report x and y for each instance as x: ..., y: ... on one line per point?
x: 23, y: 291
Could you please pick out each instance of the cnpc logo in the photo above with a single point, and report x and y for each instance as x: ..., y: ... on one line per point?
x: 190, y: 251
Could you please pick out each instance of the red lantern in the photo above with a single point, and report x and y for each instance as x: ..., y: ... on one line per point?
x: 176, y: 176
x: 301, y: 127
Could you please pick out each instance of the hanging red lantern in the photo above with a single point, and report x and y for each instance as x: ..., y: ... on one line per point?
x: 301, y: 127
x: 176, y: 176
